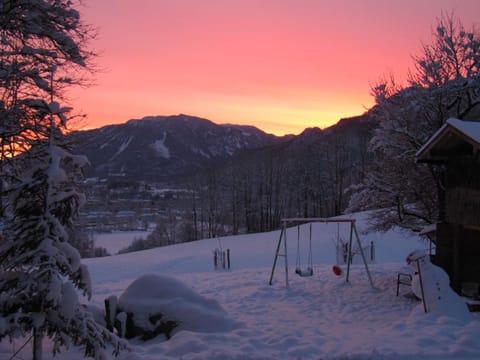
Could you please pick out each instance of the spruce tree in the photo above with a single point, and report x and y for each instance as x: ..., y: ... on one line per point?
x: 43, y: 42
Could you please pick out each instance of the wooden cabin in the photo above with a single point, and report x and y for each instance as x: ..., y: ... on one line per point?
x: 456, y: 146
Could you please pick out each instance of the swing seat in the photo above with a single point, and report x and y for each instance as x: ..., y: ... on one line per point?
x: 304, y: 273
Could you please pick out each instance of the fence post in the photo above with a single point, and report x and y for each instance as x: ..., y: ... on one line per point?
x: 215, y: 259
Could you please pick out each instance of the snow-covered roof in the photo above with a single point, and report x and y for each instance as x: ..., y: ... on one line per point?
x: 454, y: 137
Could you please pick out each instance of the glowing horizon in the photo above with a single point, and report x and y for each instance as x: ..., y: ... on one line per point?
x: 281, y: 66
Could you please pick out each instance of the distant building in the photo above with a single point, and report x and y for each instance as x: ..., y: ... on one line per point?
x: 456, y: 146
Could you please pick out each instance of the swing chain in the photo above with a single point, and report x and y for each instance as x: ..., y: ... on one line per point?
x: 309, y: 270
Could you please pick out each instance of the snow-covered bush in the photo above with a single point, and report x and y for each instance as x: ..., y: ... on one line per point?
x: 157, y: 304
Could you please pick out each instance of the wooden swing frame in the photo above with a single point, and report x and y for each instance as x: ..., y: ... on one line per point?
x: 300, y: 221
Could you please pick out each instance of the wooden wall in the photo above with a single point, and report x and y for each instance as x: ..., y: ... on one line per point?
x: 463, y: 192
x: 458, y: 238
x: 458, y: 253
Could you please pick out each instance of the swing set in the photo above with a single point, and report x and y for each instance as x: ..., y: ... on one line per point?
x: 308, y: 271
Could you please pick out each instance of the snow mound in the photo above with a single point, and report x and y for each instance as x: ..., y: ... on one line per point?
x: 434, y: 287
x: 153, y: 294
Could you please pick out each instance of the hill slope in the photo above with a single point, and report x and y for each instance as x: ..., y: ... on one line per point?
x: 319, y: 317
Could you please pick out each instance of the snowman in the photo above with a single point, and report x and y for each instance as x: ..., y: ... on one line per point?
x: 434, y: 280
x: 437, y: 295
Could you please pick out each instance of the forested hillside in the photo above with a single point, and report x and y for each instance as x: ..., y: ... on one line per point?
x: 246, y: 190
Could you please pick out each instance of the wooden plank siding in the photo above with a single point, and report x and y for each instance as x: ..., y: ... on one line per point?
x: 462, y: 204
x: 458, y: 253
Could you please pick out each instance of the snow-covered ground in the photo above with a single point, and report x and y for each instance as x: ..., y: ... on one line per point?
x: 318, y: 317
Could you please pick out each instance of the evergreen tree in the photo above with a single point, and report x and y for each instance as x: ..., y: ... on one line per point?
x: 42, y: 43
x: 40, y: 271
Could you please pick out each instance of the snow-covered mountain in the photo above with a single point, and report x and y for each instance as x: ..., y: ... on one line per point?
x: 160, y: 147
x: 170, y: 148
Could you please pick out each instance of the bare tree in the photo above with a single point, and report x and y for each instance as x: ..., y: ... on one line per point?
x: 445, y: 83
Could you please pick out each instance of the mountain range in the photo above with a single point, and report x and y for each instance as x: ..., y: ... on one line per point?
x: 162, y: 148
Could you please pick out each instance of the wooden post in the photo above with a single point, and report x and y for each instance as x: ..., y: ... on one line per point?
x: 424, y: 301
x: 363, y: 255
x: 108, y: 320
x: 110, y: 311
x: 37, y: 344
x: 277, y: 251
x: 349, y: 257
x: 215, y: 259
x: 285, y: 254
x: 456, y: 257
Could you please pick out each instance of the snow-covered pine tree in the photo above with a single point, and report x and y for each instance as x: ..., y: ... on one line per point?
x: 42, y: 44
x: 39, y: 39
x: 40, y: 271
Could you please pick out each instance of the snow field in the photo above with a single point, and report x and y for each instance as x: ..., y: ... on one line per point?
x: 318, y: 317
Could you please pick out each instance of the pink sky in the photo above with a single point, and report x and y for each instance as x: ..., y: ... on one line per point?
x: 280, y: 65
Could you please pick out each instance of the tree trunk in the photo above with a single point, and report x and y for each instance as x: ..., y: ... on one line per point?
x: 37, y: 344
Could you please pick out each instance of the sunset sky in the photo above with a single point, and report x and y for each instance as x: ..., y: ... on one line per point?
x: 280, y: 65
